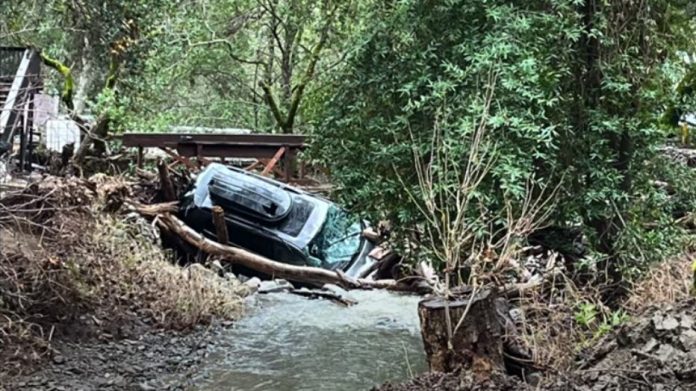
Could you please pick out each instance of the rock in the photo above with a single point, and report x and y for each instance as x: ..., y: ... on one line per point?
x: 649, y: 346
x: 274, y: 286
x: 58, y: 359
x: 230, y: 277
x: 686, y: 322
x: 146, y: 387
x: 217, y: 267
x: 667, y: 352
x: 688, y: 339
x: 253, y: 283
x: 666, y: 323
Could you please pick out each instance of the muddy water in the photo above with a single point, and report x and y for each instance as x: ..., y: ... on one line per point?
x: 291, y: 343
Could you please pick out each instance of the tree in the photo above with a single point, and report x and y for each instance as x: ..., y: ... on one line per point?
x: 578, y: 87
x: 247, y: 63
x: 107, y: 42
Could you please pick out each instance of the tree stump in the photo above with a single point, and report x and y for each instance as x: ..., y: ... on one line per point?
x: 220, y: 225
x: 476, y: 345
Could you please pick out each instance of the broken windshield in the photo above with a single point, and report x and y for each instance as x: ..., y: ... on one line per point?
x: 338, y: 241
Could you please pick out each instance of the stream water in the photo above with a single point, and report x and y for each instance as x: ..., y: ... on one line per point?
x: 291, y: 343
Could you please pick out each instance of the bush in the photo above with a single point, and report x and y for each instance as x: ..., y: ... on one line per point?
x: 568, y: 99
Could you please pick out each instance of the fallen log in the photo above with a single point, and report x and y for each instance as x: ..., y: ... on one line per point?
x: 154, y: 209
x: 235, y: 255
x: 320, y: 294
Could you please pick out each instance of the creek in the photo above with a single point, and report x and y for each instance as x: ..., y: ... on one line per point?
x: 290, y: 343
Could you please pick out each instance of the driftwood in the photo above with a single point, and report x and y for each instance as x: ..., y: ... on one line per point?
x: 154, y: 209
x: 220, y: 225
x: 323, y: 294
x: 305, y: 274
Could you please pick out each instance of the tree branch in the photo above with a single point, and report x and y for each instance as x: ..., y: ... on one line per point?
x: 66, y: 94
x: 230, y: 50
x: 273, y: 105
x: 307, y: 77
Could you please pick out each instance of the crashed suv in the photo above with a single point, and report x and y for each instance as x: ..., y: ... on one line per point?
x: 278, y: 221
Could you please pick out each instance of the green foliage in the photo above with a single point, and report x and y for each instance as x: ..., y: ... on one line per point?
x: 575, y: 102
x: 188, y: 63
x: 598, y: 321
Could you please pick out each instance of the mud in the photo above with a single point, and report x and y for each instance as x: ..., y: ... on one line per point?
x: 452, y: 382
x: 656, y: 351
x: 154, y: 360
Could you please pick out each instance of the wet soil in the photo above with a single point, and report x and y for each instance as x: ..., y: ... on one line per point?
x: 152, y: 360
x: 654, y: 351
x: 451, y: 382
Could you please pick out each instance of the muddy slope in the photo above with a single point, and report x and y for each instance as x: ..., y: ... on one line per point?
x: 654, y: 351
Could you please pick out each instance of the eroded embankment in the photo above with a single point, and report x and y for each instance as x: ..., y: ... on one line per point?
x: 75, y: 266
x: 656, y: 350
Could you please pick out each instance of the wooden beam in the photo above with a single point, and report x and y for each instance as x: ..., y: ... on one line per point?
x: 269, y: 167
x: 220, y: 225
x: 182, y: 159
x: 166, y: 185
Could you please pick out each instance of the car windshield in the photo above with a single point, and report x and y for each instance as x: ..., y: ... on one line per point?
x: 338, y: 241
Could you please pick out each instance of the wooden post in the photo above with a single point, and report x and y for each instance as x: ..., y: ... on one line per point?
x: 473, y: 343
x: 139, y: 162
x: 166, y: 185
x: 220, y: 225
x: 289, y: 163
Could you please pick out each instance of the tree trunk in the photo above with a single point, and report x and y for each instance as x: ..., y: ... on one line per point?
x: 238, y: 256
x: 456, y: 338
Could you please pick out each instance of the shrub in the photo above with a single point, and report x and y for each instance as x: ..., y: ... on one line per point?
x: 569, y: 93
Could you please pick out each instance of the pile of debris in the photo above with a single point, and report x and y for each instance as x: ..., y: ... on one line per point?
x: 76, y: 264
x: 657, y: 351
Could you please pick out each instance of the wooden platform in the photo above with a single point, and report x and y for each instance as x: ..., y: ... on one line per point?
x: 268, y: 149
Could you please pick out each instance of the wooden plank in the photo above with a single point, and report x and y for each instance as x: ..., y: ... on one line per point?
x: 289, y: 164
x: 227, y: 150
x: 172, y: 140
x: 139, y: 161
x: 179, y: 158
x: 12, y: 97
x: 269, y: 167
x: 253, y: 165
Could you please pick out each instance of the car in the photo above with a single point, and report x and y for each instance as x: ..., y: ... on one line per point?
x: 278, y: 221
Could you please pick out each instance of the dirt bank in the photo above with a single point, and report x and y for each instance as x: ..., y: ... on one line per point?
x: 88, y: 295
x: 654, y: 351
x: 154, y: 360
